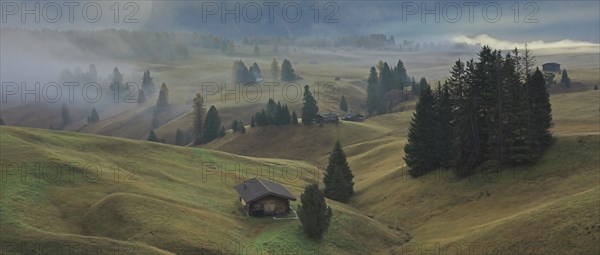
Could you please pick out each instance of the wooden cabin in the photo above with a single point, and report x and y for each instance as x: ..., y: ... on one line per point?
x: 551, y: 67
x: 260, y: 197
x: 328, y: 117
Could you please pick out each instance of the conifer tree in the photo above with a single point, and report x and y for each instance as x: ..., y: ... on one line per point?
x: 148, y: 83
x: 540, y: 112
x: 252, y: 122
x: 314, y: 213
x: 338, y: 177
x: 373, y: 99
x: 421, y: 136
x: 163, y: 97
x: 241, y: 128
x: 212, y: 124
x: 64, y: 113
x: 565, y: 80
x: 385, y: 78
x: 287, y: 72
x: 275, y: 70
x: 152, y: 137
x: 117, y: 83
x: 141, y: 97
x: 179, y: 137
x: 234, y: 126
x: 310, y: 108
x: 343, y: 104
x: 294, y: 120
x: 444, y: 133
x: 93, y: 116
x: 1, y: 122
x: 198, y: 105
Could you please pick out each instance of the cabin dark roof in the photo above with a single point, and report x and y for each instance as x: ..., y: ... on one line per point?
x: 255, y: 189
x: 550, y: 64
x: 328, y: 115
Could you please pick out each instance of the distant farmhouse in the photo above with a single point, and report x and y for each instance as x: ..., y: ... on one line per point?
x: 261, y: 197
x: 328, y: 117
x: 551, y: 67
x: 353, y: 117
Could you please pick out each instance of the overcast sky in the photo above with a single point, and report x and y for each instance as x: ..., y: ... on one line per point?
x: 547, y: 21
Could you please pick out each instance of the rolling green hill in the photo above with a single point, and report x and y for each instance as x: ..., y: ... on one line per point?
x: 102, y: 192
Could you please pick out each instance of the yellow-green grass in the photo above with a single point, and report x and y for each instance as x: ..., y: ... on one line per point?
x: 174, y: 202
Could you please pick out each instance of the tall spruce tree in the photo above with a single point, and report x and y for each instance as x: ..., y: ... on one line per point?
x: 212, y: 124
x: 64, y: 113
x: 540, y: 112
x: 373, y: 99
x: 343, y: 104
x: 310, y: 108
x: 275, y: 70
x: 198, y: 105
x: 421, y: 136
x: 565, y: 80
x: 294, y: 119
x: 163, y: 97
x: 252, y: 122
x: 94, y: 117
x: 148, y: 83
x: 179, y: 139
x: 444, y: 133
x: 338, y: 179
x: 314, y: 213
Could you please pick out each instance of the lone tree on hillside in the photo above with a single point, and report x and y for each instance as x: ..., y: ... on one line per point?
x: 338, y: 176
x: 565, y: 80
x: 275, y: 70
x: 212, y: 125
x: 198, y: 119
x: 310, y: 108
x: 1, y: 122
x: 179, y: 137
x: 163, y: 97
x: 93, y: 116
x: 343, y: 104
x: 314, y: 213
x: 117, y: 83
x: 148, y: 83
x: 64, y: 113
x: 152, y: 137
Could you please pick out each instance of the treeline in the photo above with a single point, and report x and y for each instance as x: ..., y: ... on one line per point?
x: 494, y: 110
x: 382, y: 80
x: 275, y: 114
x: 244, y: 75
x: 143, y: 45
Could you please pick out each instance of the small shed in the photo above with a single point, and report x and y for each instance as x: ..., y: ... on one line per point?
x: 261, y: 197
x: 353, y: 117
x: 328, y: 117
x: 551, y: 67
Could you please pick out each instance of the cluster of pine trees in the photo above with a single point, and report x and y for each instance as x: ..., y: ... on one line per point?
x: 275, y: 114
x: 383, y: 79
x: 495, y: 109
x: 243, y: 75
x: 314, y: 213
x: 287, y: 72
x: 238, y: 126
